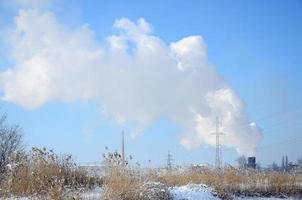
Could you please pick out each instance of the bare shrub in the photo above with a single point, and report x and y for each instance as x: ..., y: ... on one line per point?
x: 10, y: 144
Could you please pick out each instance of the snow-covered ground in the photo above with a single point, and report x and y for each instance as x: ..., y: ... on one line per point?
x: 193, y: 192
x: 91, y: 195
x: 187, y: 192
x: 262, y: 198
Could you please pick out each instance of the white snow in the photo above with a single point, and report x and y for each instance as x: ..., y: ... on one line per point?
x: 186, y: 192
x: 91, y: 195
x: 193, y: 192
x: 94, y: 194
x: 262, y: 198
x: 17, y: 198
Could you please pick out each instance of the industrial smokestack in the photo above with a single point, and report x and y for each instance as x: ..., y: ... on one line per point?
x: 123, y: 149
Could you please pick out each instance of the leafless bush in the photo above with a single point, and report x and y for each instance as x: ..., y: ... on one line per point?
x: 10, y: 144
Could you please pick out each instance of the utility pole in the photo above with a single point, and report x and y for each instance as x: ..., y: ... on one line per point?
x: 169, y: 161
x: 123, y: 149
x: 286, y: 163
x: 218, y: 156
x: 283, y: 164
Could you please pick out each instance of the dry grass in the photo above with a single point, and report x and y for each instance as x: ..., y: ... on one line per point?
x: 229, y: 182
x: 122, y: 182
x: 44, y: 173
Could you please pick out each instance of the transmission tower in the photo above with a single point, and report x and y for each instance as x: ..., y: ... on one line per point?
x: 169, y: 161
x: 218, y: 156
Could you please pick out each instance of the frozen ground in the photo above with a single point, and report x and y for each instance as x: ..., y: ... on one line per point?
x: 187, y: 192
x: 91, y: 195
x: 263, y: 198
x: 192, y: 192
x: 202, y: 192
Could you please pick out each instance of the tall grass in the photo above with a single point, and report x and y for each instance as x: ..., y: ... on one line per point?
x: 122, y: 182
x: 42, y: 172
x: 229, y: 182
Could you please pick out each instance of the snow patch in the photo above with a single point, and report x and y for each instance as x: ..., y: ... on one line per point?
x: 96, y: 193
x: 193, y: 192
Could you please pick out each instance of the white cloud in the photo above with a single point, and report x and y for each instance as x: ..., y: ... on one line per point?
x: 190, y: 51
x: 136, y: 76
x: 37, y: 4
x: 45, y: 53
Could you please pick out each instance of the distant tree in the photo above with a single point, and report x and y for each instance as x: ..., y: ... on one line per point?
x: 283, y: 163
x: 299, y: 161
x: 258, y: 166
x: 274, y: 166
x: 10, y: 143
x: 242, y: 162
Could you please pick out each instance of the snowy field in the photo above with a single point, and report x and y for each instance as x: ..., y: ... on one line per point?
x: 192, y: 192
x: 200, y: 192
x: 263, y: 198
x: 187, y: 192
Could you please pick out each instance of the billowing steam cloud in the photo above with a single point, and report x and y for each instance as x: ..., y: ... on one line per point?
x: 134, y: 75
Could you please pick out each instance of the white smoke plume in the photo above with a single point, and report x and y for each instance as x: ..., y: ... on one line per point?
x: 135, y: 76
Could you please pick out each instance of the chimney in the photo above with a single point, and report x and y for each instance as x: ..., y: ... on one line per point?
x: 123, y: 149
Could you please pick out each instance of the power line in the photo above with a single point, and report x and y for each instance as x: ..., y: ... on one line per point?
x: 271, y: 130
x: 283, y: 122
x: 281, y: 111
x: 290, y: 140
x: 273, y: 114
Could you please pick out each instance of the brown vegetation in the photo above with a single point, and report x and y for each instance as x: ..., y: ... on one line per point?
x: 122, y: 182
x: 229, y: 182
x: 42, y: 172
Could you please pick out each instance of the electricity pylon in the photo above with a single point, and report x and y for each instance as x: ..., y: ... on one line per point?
x: 169, y: 161
x: 218, y: 156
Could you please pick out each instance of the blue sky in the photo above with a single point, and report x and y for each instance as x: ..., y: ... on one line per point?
x: 255, y: 45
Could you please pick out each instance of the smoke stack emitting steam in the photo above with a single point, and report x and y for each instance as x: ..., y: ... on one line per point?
x: 135, y: 76
x: 123, y: 148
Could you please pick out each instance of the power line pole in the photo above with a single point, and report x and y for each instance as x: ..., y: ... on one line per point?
x: 286, y: 163
x: 283, y: 164
x: 218, y: 156
x: 169, y: 161
x: 123, y: 149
